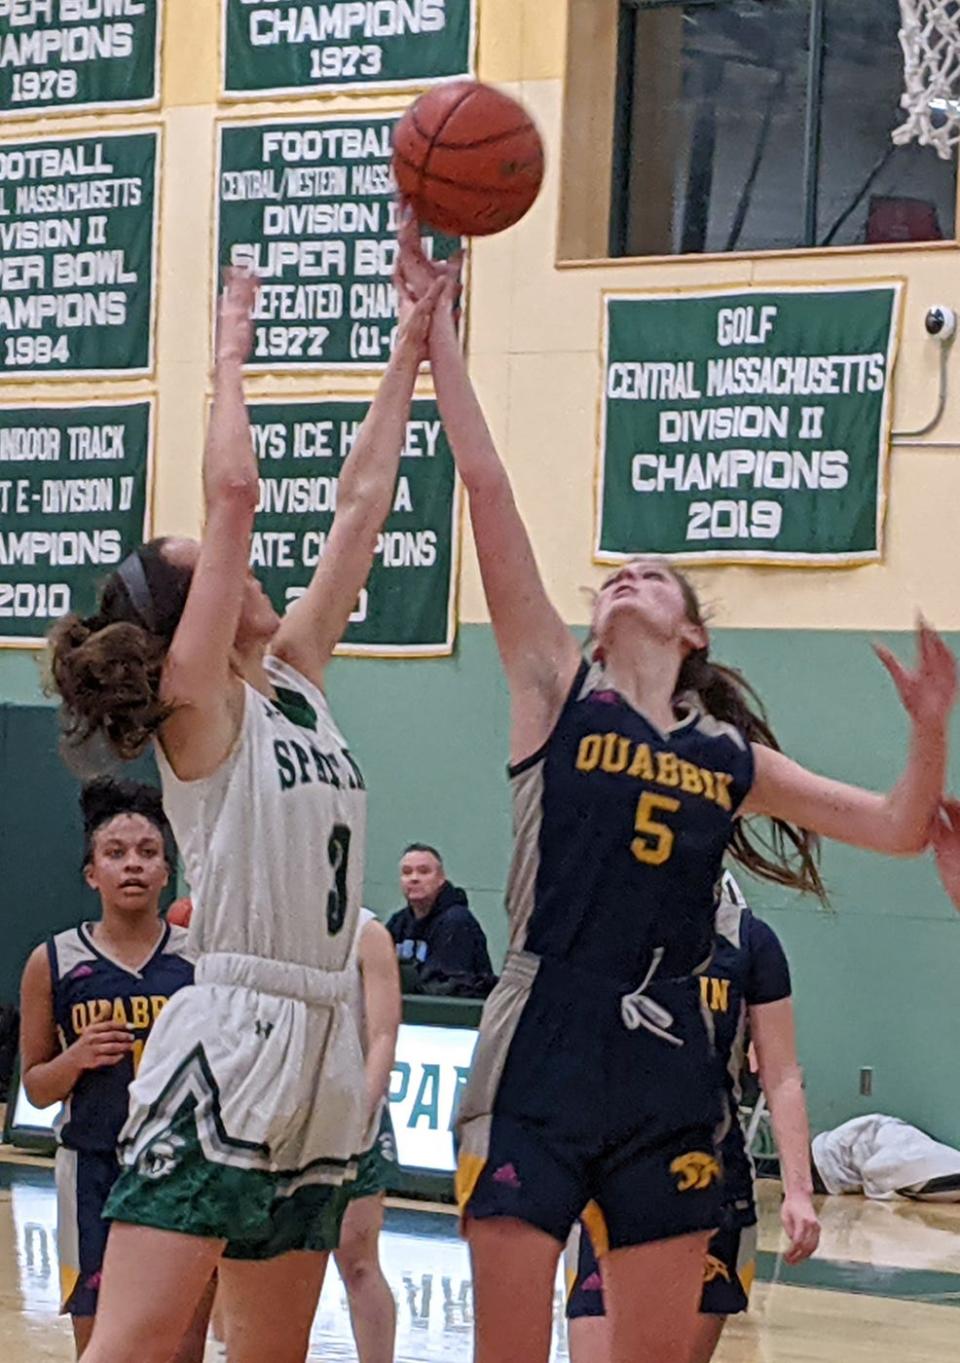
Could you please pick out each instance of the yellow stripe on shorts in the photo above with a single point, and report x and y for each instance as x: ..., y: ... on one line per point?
x: 596, y: 1223
x: 469, y: 1169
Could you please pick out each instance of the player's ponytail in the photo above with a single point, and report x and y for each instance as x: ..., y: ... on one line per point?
x: 107, y: 667
x: 783, y: 853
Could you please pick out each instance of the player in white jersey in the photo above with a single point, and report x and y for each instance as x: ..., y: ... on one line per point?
x: 378, y: 1003
x: 250, y: 1105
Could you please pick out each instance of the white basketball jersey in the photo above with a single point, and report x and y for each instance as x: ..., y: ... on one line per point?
x: 273, y: 842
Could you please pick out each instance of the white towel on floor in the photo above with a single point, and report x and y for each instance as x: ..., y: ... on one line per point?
x: 883, y: 1157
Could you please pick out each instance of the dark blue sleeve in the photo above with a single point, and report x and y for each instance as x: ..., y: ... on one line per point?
x: 460, y: 947
x: 768, y: 972
x: 481, y: 955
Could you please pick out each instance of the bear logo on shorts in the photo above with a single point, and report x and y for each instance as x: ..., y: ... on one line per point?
x: 695, y: 1170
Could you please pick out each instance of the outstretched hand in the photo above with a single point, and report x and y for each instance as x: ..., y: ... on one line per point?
x: 415, y: 318
x: 946, y: 847
x: 929, y: 691
x: 235, y: 314
x: 419, y: 273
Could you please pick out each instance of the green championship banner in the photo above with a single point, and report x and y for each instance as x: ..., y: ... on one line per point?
x: 77, y: 255
x: 75, y: 55
x: 73, y: 503
x: 747, y: 426
x: 311, y: 207
x: 311, y: 46
x: 407, y: 605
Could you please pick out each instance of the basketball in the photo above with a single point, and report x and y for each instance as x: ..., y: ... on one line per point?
x: 180, y: 913
x: 468, y: 158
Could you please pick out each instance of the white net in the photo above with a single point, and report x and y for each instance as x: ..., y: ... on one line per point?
x: 930, y: 38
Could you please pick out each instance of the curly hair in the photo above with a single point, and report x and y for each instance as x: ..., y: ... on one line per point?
x: 106, y: 667
x: 104, y: 799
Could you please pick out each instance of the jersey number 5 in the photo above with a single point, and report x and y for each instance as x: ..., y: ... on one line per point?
x: 338, y: 850
x: 654, y: 844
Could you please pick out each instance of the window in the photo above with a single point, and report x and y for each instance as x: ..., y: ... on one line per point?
x: 749, y: 125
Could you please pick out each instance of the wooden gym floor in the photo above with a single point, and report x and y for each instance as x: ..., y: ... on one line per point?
x: 885, y: 1287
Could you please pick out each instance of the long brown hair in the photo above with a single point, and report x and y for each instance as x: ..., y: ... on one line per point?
x: 786, y: 855
x: 106, y: 667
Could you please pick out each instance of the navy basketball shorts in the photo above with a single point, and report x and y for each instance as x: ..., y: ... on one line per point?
x: 728, y: 1272
x: 84, y: 1180
x: 589, y: 1116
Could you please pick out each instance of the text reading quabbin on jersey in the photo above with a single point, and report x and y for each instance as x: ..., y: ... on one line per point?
x: 626, y: 757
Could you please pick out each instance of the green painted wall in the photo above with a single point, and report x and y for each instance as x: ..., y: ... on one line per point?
x: 22, y: 678
x: 877, y: 978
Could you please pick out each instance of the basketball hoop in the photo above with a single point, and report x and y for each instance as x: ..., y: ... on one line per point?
x: 930, y: 38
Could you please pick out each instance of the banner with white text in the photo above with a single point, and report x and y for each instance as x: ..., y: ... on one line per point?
x: 75, y: 56
x: 311, y: 207
x: 74, y: 484
x: 78, y: 238
x: 313, y: 46
x: 747, y: 426
x: 407, y: 605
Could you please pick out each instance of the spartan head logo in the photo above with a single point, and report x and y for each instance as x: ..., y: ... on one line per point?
x: 160, y: 1157
x: 695, y: 1171
x: 388, y: 1146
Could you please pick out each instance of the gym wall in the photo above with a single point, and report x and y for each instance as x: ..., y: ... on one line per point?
x: 874, y: 976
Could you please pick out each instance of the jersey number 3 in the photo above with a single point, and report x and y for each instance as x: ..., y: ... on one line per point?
x: 654, y: 843
x: 338, y: 850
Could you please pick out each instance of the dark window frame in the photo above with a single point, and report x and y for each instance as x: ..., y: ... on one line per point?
x: 813, y: 126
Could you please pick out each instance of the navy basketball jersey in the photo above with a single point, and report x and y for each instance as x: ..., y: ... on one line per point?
x: 749, y: 967
x: 89, y: 986
x: 620, y: 832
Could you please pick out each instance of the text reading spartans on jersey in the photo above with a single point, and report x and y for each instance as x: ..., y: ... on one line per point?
x: 626, y: 757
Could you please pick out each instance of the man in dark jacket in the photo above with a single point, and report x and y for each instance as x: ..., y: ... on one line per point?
x: 440, y: 945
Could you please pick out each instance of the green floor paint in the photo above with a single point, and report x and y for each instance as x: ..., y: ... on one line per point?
x: 864, y: 1280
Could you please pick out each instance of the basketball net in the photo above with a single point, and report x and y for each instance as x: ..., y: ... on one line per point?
x: 930, y: 38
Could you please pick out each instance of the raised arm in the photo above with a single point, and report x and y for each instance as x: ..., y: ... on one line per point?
x: 382, y: 1006
x: 49, y: 1073
x: 900, y: 822
x: 774, y: 1037
x: 539, y: 654
x: 197, y: 670
x: 314, y: 624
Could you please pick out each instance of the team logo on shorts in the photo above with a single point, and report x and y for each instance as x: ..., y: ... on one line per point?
x: 161, y: 1157
x: 388, y: 1147
x: 695, y: 1170
x: 715, y: 1268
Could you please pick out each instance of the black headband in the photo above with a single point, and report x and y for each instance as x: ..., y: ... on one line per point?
x: 134, y: 578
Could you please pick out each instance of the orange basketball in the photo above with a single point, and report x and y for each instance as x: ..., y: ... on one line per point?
x: 469, y: 159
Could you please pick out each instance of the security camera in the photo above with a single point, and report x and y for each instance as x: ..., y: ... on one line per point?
x: 941, y: 322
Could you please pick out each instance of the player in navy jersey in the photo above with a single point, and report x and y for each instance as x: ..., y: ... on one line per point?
x: 594, y: 1081
x: 747, y: 991
x: 90, y: 998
